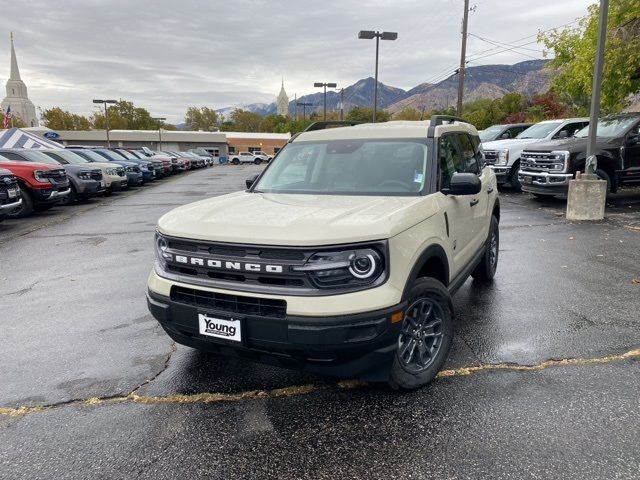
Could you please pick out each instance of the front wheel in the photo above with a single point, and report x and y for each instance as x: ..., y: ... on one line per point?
x: 235, y: 161
x: 486, y: 269
x: 26, y: 208
x: 425, y: 338
x: 604, y: 176
x: 257, y: 161
x: 514, y: 180
x: 70, y: 198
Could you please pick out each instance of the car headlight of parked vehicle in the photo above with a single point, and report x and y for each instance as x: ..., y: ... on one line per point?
x: 112, y: 171
x: 561, y: 158
x: 84, y: 175
x: 39, y: 176
x: 345, y: 268
x: 503, y: 156
x: 128, y: 169
x: 161, y: 249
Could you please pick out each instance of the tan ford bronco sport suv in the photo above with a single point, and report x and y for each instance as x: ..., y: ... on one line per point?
x: 341, y: 257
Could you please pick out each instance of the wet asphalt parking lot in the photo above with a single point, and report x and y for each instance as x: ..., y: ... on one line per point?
x: 542, y: 381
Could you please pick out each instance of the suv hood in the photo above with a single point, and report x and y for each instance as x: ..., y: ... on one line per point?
x: 304, y: 220
x: 514, y: 142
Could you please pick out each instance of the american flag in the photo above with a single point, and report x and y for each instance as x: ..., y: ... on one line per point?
x: 7, y: 118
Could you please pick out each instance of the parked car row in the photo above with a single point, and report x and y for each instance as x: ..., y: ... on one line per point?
x: 38, y: 179
x: 543, y: 158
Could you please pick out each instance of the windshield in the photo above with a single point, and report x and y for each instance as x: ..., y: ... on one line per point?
x: 609, y: 127
x: 70, y: 157
x: 490, y: 133
x: 90, y: 155
x: 348, y: 167
x: 110, y: 155
x: 539, y: 130
x: 127, y: 155
x: 39, y: 157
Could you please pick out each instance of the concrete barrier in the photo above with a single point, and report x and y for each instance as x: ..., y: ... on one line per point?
x: 586, y: 199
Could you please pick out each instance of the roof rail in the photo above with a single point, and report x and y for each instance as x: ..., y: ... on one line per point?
x: 440, y: 119
x: 329, y: 123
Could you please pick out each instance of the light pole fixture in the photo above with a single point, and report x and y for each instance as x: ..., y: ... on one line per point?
x: 369, y: 35
x: 159, y: 120
x: 325, y: 85
x: 304, y: 106
x: 106, y: 116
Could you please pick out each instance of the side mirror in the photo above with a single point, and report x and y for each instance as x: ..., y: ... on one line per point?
x: 563, y: 134
x: 251, y: 180
x: 505, y: 135
x: 463, y: 184
x: 633, y: 139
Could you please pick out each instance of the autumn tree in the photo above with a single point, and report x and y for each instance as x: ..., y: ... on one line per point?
x: 408, y: 113
x: 58, y: 119
x: 124, y: 115
x: 363, y: 114
x: 201, y: 118
x: 574, y: 50
x: 242, y: 121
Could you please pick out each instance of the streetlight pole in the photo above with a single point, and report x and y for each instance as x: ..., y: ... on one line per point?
x: 106, y: 116
x: 369, y: 35
x: 325, y: 85
x: 159, y: 120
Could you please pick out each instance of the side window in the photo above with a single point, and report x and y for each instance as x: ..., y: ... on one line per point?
x: 470, y: 164
x: 12, y: 156
x: 569, y: 130
x: 450, y: 159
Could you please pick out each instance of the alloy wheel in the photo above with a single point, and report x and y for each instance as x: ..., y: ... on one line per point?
x: 421, y: 335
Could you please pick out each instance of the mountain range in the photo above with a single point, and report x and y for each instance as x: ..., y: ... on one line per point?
x: 485, y: 81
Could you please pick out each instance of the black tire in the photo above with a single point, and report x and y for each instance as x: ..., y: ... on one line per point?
x: 513, y: 178
x: 486, y: 269
x: 605, y: 176
x: 71, y: 198
x: 235, y: 161
x: 428, y: 324
x: 257, y: 161
x: 27, y: 205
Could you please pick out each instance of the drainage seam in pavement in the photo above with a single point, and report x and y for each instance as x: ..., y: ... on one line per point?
x: 297, y: 390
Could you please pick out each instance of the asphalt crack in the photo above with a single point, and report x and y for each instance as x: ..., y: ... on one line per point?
x: 299, y: 390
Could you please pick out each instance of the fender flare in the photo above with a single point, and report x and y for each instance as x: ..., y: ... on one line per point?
x: 432, y: 251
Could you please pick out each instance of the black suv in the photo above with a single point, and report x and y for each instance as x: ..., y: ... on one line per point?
x: 546, y: 168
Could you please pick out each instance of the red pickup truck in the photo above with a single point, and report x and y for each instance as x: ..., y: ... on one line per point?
x: 41, y: 186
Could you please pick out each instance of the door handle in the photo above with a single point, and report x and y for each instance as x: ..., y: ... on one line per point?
x: 490, y: 190
x: 474, y: 202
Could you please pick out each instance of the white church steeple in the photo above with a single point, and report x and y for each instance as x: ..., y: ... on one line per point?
x: 17, y: 97
x: 282, y: 103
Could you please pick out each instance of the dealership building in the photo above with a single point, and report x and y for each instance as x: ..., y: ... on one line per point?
x: 218, y: 143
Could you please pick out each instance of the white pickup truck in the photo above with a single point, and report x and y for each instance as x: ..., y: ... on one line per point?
x: 248, y: 157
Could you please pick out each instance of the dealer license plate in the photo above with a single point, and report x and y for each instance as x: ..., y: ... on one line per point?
x: 219, y: 328
x: 528, y: 180
x: 102, y: 184
x: 12, y: 192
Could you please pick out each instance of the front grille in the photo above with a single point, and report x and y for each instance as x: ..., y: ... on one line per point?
x: 490, y: 157
x: 96, y: 175
x: 233, y: 304
x: 541, y: 162
x: 8, y: 182
x: 56, y: 175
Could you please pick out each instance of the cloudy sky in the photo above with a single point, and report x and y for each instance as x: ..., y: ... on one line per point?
x: 168, y: 55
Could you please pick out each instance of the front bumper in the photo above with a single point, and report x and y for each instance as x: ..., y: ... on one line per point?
x: 544, y: 183
x: 359, y: 345
x: 501, y: 172
x: 49, y: 195
x: 9, y: 208
x: 134, y: 178
x: 88, y: 188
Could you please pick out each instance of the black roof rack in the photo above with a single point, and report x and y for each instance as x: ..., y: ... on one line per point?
x: 328, y: 124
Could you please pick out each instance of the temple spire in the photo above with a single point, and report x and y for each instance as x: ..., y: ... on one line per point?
x: 15, y: 72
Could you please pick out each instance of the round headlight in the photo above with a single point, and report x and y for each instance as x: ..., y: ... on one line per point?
x: 362, y: 266
x: 162, y: 244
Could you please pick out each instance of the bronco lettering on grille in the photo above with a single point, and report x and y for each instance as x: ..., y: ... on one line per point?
x: 227, y: 265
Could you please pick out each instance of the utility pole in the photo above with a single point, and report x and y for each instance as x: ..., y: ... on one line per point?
x: 463, y: 54
x: 590, y: 166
